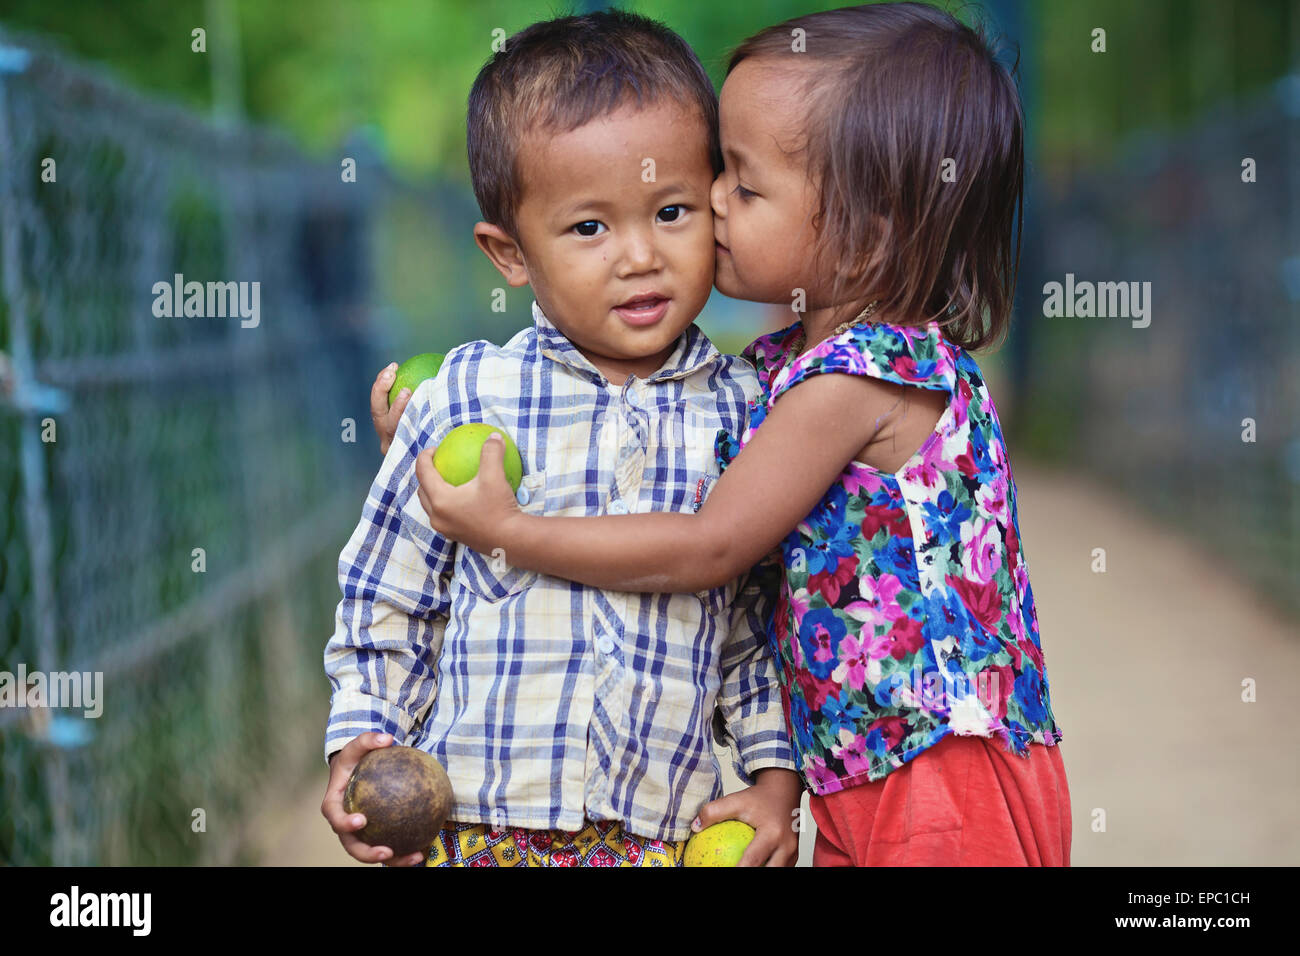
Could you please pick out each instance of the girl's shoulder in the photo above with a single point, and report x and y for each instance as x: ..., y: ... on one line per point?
x: 919, y: 356
x: 767, y: 353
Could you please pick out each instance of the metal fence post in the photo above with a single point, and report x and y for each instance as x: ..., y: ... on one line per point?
x: 35, y: 509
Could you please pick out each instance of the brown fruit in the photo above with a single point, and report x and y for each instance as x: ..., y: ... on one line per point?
x: 405, y: 796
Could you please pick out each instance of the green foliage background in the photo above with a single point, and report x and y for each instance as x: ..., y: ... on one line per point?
x: 398, y: 72
x: 325, y: 67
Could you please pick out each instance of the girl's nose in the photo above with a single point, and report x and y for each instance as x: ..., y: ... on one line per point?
x: 718, y: 197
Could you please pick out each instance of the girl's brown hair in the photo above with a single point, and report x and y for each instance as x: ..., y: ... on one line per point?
x: 896, y: 91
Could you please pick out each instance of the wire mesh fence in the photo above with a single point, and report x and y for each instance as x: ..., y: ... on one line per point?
x: 1192, y: 409
x: 186, y: 327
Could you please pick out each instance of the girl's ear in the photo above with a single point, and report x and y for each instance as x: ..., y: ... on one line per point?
x: 504, y: 252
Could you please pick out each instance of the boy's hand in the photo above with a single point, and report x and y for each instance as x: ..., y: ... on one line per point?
x: 771, y: 807
x: 477, y: 512
x: 341, y: 767
x: 383, y: 417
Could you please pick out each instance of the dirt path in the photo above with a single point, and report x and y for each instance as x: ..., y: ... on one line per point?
x: 1145, y: 663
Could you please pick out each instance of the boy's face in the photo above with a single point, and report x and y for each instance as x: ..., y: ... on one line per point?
x: 615, y: 233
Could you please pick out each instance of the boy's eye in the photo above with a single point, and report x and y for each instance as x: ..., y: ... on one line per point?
x: 590, y: 227
x: 671, y: 213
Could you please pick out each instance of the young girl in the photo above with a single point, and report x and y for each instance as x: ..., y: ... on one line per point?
x: 873, y: 170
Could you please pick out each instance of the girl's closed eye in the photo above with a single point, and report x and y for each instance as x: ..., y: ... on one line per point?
x: 588, y: 228
x: 743, y: 193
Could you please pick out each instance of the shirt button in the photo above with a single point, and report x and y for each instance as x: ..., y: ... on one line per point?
x: 521, y: 495
x: 605, y: 644
x: 632, y: 398
x: 617, y: 507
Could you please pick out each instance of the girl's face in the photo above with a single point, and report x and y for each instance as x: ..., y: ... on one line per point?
x: 763, y: 202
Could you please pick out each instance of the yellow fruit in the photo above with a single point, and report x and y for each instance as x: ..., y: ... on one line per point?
x: 457, y: 455
x: 414, y: 371
x: 722, y: 844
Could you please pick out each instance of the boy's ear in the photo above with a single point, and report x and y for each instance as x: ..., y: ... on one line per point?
x: 504, y: 252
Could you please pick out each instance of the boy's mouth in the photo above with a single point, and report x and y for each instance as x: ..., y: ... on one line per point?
x: 644, y: 309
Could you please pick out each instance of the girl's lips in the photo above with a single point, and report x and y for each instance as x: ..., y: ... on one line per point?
x: 720, y: 247
x: 644, y: 312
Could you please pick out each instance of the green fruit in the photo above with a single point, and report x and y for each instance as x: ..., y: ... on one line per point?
x: 722, y: 844
x: 414, y: 371
x: 457, y: 455
x: 405, y: 796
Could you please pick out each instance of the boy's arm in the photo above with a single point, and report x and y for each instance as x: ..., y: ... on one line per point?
x: 382, y: 659
x: 754, y: 720
x: 749, y: 701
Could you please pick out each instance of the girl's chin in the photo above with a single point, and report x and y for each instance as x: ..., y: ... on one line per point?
x: 724, y: 280
x: 732, y: 289
x: 729, y: 284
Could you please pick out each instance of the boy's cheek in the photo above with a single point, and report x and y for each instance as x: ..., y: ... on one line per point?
x: 700, y: 259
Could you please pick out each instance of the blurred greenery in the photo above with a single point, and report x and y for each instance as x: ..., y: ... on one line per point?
x: 398, y: 73
x: 404, y: 67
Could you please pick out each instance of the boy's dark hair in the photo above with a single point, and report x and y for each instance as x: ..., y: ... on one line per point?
x: 897, y: 89
x: 559, y: 74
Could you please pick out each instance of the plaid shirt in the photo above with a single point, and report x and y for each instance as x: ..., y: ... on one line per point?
x: 548, y: 701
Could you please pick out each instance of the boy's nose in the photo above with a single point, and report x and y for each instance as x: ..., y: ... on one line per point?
x: 639, y: 254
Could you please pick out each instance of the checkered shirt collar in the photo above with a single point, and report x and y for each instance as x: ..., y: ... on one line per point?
x: 692, y: 351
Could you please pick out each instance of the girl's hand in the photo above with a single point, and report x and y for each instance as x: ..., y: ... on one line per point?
x: 771, y: 807
x: 477, y: 513
x: 383, y: 417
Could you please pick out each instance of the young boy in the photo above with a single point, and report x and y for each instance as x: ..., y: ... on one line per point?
x: 576, y: 725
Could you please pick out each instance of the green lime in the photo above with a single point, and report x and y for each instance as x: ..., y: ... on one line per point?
x: 457, y: 455
x: 414, y: 371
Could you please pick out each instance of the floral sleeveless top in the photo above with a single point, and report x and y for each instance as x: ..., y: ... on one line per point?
x: 905, y: 613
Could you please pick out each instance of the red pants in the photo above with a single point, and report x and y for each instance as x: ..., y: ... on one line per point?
x: 963, y: 802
